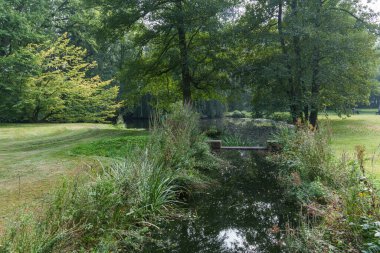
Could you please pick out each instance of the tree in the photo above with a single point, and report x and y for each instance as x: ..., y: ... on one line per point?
x: 323, y: 54
x: 177, y: 41
x: 58, y: 88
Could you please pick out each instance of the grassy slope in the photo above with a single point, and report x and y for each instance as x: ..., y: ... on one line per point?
x: 32, y: 157
x: 362, y: 129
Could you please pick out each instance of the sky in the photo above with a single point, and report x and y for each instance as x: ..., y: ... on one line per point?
x: 375, y: 4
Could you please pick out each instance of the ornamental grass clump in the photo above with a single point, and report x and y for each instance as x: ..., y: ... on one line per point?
x: 114, y: 208
x: 340, y: 207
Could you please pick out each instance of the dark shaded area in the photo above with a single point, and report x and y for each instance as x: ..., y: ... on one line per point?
x: 244, y: 213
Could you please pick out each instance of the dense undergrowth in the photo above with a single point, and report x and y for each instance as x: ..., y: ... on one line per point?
x: 114, y: 208
x: 339, y: 204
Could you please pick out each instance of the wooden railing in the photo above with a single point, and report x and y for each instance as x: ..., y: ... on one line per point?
x: 272, y: 146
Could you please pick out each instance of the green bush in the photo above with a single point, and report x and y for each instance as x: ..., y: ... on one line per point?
x: 213, y: 132
x: 281, y: 116
x: 234, y: 140
x: 311, y: 192
x: 340, y: 205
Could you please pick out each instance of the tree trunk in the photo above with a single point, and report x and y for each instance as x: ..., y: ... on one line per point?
x: 286, y: 55
x: 306, y: 112
x: 314, y: 105
x: 185, y: 71
x: 294, y: 82
x: 36, y: 114
x: 315, y: 86
x: 297, y: 66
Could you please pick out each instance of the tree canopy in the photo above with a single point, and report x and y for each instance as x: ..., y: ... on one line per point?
x: 264, y: 55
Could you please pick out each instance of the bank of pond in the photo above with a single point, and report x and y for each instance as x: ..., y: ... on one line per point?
x: 171, y: 193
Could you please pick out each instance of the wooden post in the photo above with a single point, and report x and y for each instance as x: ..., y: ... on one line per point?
x: 273, y: 146
x: 215, y: 145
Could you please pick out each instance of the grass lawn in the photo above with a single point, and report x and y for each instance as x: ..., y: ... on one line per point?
x: 359, y: 129
x: 34, y: 156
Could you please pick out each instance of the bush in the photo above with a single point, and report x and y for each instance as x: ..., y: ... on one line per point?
x: 281, y: 116
x: 340, y: 206
x: 213, y: 132
x: 234, y: 140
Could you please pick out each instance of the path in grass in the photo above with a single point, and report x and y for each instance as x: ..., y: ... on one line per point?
x: 359, y: 129
x: 34, y: 156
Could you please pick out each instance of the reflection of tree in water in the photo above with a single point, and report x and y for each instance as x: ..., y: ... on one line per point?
x: 244, y: 214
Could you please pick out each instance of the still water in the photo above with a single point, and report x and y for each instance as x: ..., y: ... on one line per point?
x: 244, y: 212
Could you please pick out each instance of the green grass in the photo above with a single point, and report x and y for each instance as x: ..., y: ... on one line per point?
x: 118, y: 147
x: 359, y: 129
x: 34, y: 156
x: 113, y: 207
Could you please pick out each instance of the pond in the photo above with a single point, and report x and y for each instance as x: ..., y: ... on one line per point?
x: 136, y: 123
x: 244, y: 212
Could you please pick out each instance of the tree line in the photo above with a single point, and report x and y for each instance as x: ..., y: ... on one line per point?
x: 85, y: 60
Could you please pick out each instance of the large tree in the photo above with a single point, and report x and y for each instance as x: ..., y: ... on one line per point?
x: 177, y: 41
x: 57, y: 87
x: 312, y: 54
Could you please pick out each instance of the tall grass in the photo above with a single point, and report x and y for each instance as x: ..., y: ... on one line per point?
x: 339, y: 204
x: 113, y: 208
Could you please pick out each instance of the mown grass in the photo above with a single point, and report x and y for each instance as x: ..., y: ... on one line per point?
x: 112, y: 208
x: 115, y: 147
x: 34, y: 156
x: 359, y: 129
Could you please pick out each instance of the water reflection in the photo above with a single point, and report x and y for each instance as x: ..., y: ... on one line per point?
x: 244, y: 214
x: 234, y: 239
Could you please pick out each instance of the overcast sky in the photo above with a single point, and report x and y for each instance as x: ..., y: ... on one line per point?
x: 375, y: 4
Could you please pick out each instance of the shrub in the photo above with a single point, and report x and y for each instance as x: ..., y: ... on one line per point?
x: 213, y: 132
x: 308, y: 153
x: 281, y: 116
x: 234, y: 140
x: 342, y: 202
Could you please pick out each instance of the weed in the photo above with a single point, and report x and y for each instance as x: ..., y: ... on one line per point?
x: 337, y: 192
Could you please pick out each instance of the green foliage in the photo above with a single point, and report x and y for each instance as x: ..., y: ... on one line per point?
x: 57, y: 88
x: 213, y: 132
x: 307, y: 153
x: 22, y: 23
x: 16, y: 69
x: 234, y: 140
x: 179, y: 42
x: 309, y: 55
x: 341, y: 205
x: 370, y: 230
x: 281, y: 116
x: 178, y: 140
